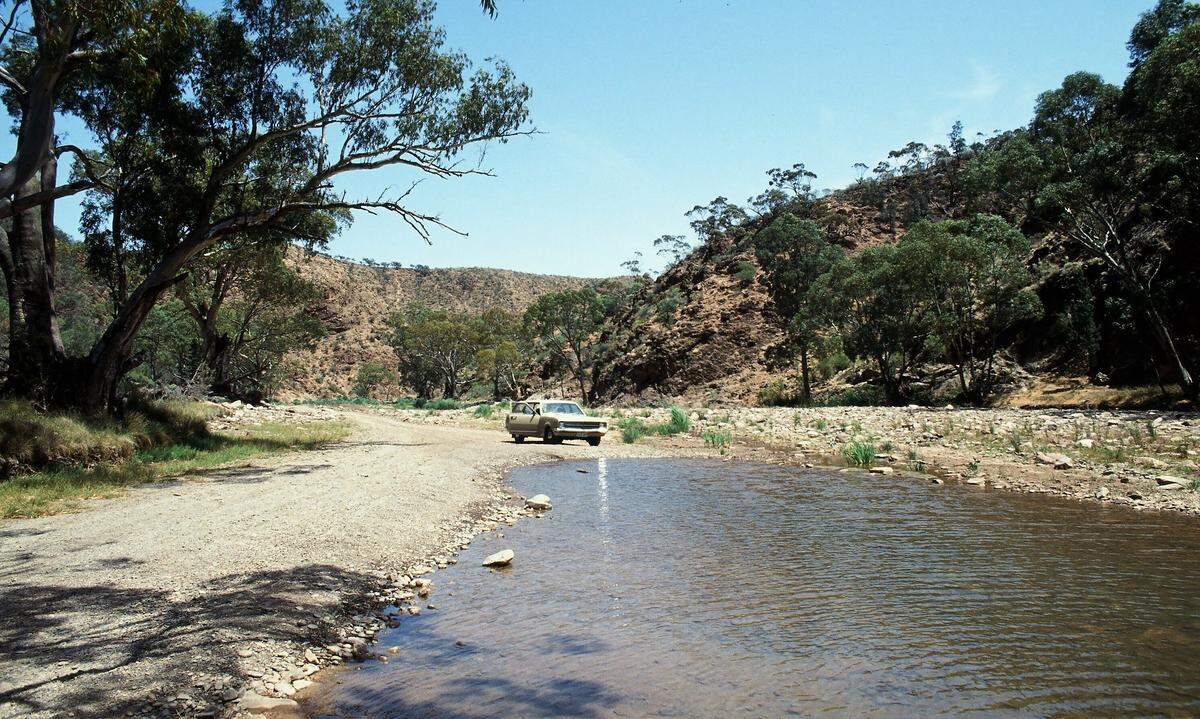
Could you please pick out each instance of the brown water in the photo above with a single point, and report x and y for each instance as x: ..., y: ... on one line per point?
x: 698, y: 589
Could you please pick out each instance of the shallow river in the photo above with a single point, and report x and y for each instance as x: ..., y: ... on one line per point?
x: 699, y: 589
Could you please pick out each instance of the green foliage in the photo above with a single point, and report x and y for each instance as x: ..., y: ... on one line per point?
x: 632, y: 429
x: 679, y: 422
x: 168, y: 442
x: 793, y: 254
x: 859, y: 454
x: 978, y: 288
x: 719, y: 439
x: 374, y: 379
x: 780, y: 393
x: 745, y: 272
x: 442, y: 404
x: 857, y: 396
x: 484, y: 411
x: 563, y: 324
x: 668, y: 304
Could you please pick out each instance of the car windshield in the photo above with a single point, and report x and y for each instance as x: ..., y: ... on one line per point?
x: 562, y: 408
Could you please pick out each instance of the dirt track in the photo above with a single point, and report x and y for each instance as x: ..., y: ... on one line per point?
x: 152, y: 595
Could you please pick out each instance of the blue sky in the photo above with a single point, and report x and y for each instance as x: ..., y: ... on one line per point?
x: 648, y: 107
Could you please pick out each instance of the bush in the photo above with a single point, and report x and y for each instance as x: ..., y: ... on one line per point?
x: 717, y: 438
x: 780, y: 393
x: 665, y: 308
x: 632, y: 429
x: 679, y: 423
x: 861, y: 396
x: 746, y: 272
x: 437, y: 404
x: 859, y: 454
x: 484, y: 411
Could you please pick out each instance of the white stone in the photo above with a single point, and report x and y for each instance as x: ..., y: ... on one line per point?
x: 257, y: 703
x: 500, y: 559
x: 538, y: 501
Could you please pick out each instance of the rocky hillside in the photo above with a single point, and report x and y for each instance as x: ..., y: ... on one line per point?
x: 357, y: 300
x: 706, y: 330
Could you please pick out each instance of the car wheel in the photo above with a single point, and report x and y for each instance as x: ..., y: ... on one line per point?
x: 549, y: 438
x: 518, y: 438
x: 594, y: 441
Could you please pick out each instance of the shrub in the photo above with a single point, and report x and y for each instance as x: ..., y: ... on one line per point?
x: 860, y: 396
x: 437, y: 404
x: 859, y: 454
x: 717, y: 438
x: 679, y: 422
x: 746, y: 272
x: 665, y: 308
x: 632, y: 429
x: 780, y: 393
x: 484, y: 411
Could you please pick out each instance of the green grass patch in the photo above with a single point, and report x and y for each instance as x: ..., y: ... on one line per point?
x: 632, y: 429
x: 719, y: 439
x: 60, y: 489
x: 859, y: 454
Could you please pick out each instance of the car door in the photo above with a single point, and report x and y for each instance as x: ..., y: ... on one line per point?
x: 516, y: 418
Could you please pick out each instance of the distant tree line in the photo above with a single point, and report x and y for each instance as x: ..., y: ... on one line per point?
x: 497, y: 354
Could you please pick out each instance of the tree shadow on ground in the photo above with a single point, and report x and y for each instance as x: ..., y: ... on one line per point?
x: 103, y: 650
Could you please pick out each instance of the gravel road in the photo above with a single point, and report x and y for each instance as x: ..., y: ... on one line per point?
x: 144, y: 603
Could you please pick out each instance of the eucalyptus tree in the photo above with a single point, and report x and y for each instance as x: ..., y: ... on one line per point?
x: 47, y: 49
x: 793, y: 254
x: 565, y: 324
x: 274, y: 101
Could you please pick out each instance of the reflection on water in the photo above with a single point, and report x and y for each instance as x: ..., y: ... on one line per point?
x: 672, y: 588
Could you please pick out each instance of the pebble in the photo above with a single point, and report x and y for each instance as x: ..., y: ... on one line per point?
x: 539, y: 502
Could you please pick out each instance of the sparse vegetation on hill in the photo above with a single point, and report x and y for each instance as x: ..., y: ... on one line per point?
x: 1067, y: 246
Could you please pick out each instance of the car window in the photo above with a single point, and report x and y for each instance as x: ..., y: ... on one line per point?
x: 564, y: 408
x: 529, y: 409
x: 520, y: 409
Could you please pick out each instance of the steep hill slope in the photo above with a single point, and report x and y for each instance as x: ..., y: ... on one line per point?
x: 706, y: 329
x: 357, y: 300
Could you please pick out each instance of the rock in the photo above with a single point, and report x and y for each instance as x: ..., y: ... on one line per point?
x: 245, y: 653
x: 975, y: 481
x: 421, y: 569
x: 310, y: 656
x: 1151, y: 462
x: 1169, y: 483
x: 881, y: 470
x: 1102, y: 493
x: 1058, y: 461
x: 936, y: 480
x: 538, y: 501
x: 500, y: 559
x: 1086, y: 443
x: 302, y: 684
x: 257, y: 703
x: 284, y: 688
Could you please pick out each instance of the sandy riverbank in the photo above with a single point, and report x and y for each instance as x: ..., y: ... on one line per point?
x: 179, y: 598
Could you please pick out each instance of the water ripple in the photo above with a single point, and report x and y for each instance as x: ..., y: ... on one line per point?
x: 668, y: 588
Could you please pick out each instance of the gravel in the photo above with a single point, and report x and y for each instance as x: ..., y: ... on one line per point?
x: 179, y: 598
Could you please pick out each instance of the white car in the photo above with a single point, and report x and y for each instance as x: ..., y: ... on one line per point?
x: 553, y: 420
